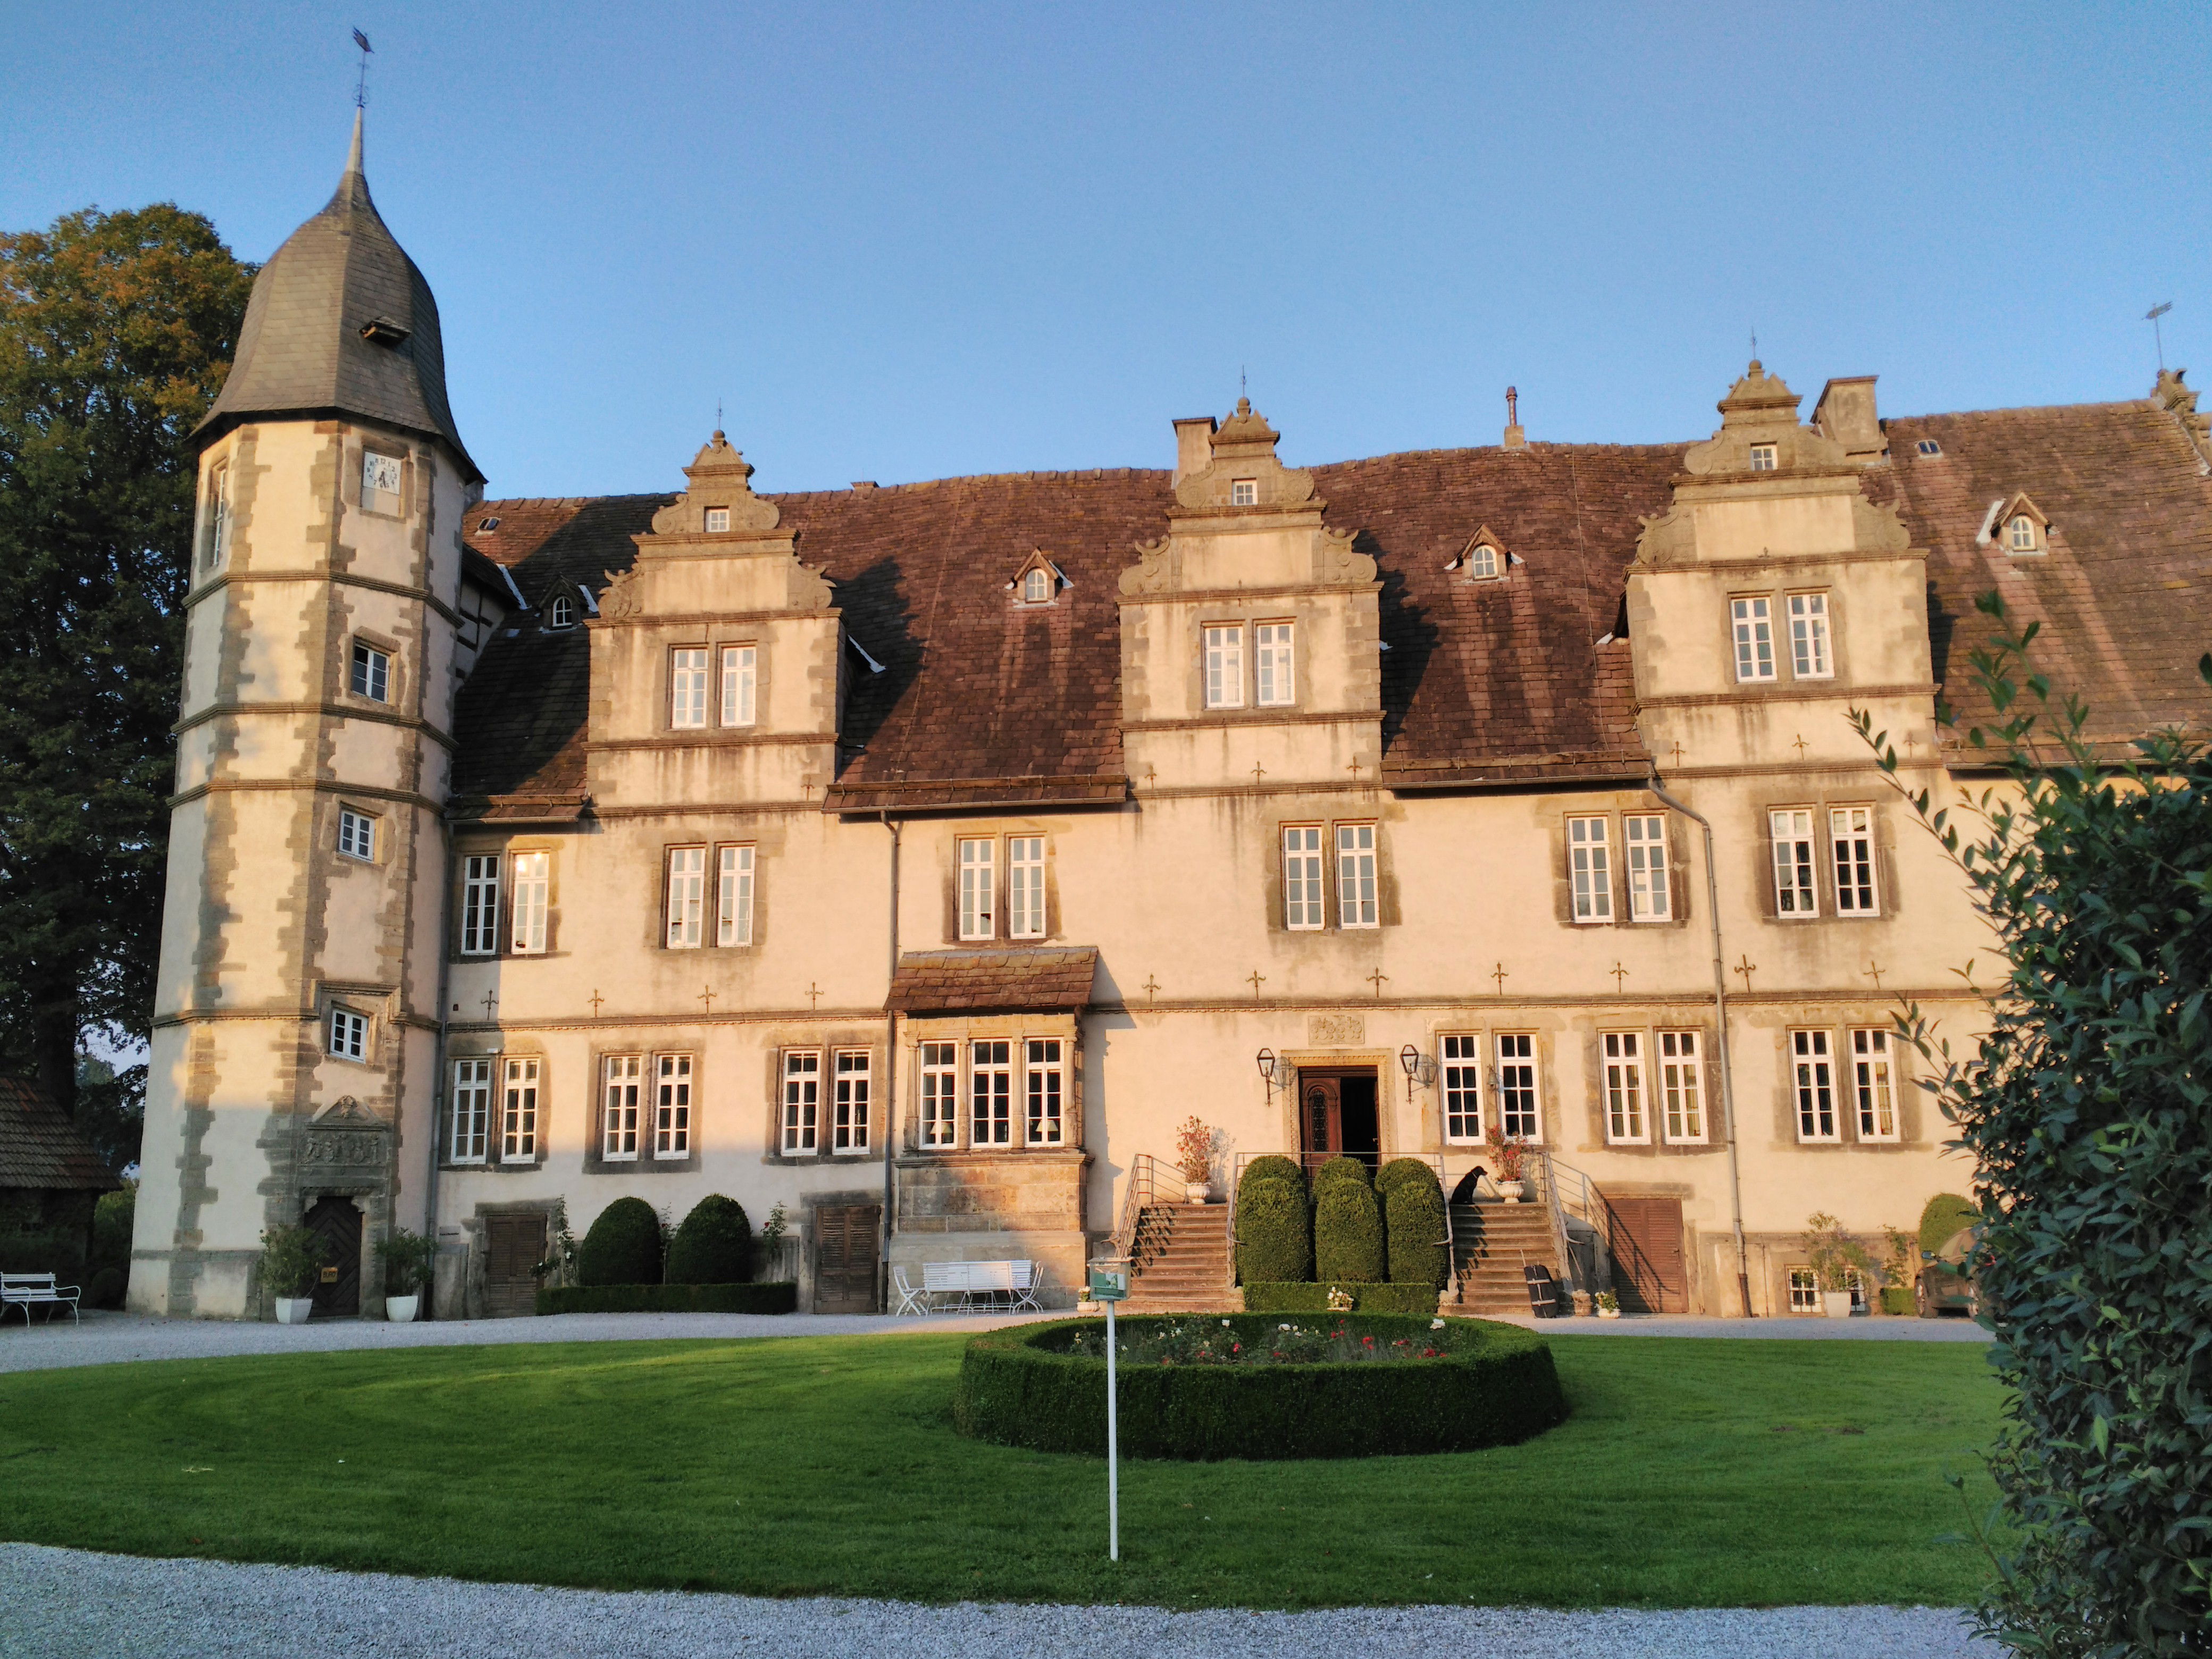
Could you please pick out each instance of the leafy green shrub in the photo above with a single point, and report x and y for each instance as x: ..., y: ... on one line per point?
x: 291, y: 1257
x: 1365, y: 1298
x: 1275, y: 1167
x: 1414, y: 1222
x: 1347, y: 1230
x: 775, y: 1297
x: 406, y: 1258
x: 1896, y: 1299
x: 2086, y: 1112
x: 1940, y: 1222
x: 714, y: 1245
x: 1494, y: 1385
x: 1340, y: 1168
x: 1274, y: 1233
x: 623, y: 1247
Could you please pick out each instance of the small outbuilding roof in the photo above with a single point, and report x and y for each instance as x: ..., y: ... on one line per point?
x: 40, y: 1148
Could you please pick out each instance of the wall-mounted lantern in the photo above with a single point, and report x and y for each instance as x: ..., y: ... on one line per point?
x: 1419, y: 1068
x: 1264, y: 1059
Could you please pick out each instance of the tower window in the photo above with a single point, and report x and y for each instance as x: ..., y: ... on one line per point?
x: 348, y: 1034
x: 1244, y: 492
x: 564, y: 611
x: 356, y: 834
x: 218, y: 518
x: 380, y: 483
x: 372, y: 673
x: 1763, y: 457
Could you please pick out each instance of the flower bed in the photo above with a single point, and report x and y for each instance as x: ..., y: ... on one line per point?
x: 1340, y: 1386
x: 777, y: 1297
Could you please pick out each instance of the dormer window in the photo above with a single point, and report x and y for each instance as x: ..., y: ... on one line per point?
x: 1763, y: 457
x: 2021, y: 535
x: 1482, y: 563
x: 485, y: 527
x: 1244, y: 492
x: 1037, y: 587
x: 564, y: 611
x: 717, y: 520
x: 1928, y: 448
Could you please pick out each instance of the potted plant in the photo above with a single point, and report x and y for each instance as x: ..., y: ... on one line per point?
x: 1609, y: 1305
x: 1508, y: 1153
x: 291, y: 1257
x: 1195, y: 1156
x: 407, y: 1259
x: 1836, y: 1259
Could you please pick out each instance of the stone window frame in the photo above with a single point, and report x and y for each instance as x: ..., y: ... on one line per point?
x: 1619, y: 809
x: 372, y: 823
x: 1017, y: 1032
x: 686, y: 1125
x: 1659, y: 1063
x: 1331, y: 853
x: 1803, y: 894
x: 1599, y: 887
x: 981, y: 913
x: 451, y: 1157
x: 834, y: 1074
x: 1288, y: 645
x: 1631, y: 845
x: 1347, y: 897
x: 746, y: 880
x: 1879, y: 1040
x: 644, y: 1159
x: 669, y: 875
x: 1471, y: 1061
x: 704, y: 668
x: 1000, y: 842
x: 495, y: 1141
x: 1819, y: 615
x: 1624, y: 1079
x: 1765, y: 894
x: 1811, y: 1045
x: 1231, y: 632
x: 213, y: 539
x: 731, y: 677
x: 375, y: 646
x: 1747, y: 612
x: 358, y: 1047
x: 1865, y: 896
x: 1766, y: 458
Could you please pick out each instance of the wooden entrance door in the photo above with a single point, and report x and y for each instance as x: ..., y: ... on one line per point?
x: 337, y: 1287
x: 1648, y: 1269
x: 845, y: 1257
x: 513, y: 1246
x: 1321, y: 1116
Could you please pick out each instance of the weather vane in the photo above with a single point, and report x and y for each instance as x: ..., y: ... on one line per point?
x: 2158, y: 333
x: 361, y: 85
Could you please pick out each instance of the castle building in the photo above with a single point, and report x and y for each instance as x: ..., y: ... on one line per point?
x: 919, y: 857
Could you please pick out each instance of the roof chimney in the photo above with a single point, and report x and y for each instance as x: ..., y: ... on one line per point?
x: 1194, y: 446
x: 1845, y: 413
x: 1516, y: 436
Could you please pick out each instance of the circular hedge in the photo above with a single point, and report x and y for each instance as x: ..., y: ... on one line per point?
x: 624, y: 1246
x: 1492, y: 1385
x: 714, y: 1245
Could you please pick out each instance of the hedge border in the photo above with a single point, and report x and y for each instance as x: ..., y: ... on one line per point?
x: 1495, y: 1385
x: 1409, y: 1299
x: 774, y: 1296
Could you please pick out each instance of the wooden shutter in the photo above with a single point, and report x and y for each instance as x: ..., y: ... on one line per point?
x: 1648, y: 1269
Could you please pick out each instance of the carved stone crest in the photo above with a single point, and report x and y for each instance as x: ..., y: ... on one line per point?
x: 1336, y: 1030
x: 618, y: 599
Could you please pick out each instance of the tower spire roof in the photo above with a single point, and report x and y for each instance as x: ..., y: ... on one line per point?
x: 341, y: 322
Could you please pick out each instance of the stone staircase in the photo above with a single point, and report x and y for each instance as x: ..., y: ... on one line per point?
x: 1180, y: 1260
x: 1491, y: 1244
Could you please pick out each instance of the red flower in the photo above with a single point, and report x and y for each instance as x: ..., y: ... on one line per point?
x: 1369, y: 1341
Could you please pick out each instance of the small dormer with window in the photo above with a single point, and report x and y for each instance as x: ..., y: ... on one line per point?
x: 2018, y: 527
x: 1037, y: 581
x: 1484, y: 559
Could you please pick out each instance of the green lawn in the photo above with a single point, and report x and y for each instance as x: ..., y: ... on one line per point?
x: 1694, y: 1472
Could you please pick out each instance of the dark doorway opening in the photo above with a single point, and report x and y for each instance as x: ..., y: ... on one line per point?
x: 1339, y: 1115
x: 337, y: 1286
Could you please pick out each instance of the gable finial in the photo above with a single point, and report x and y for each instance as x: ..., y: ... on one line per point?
x: 2158, y: 333
x: 361, y: 85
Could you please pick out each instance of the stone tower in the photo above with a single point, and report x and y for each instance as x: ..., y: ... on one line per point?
x: 296, y: 1015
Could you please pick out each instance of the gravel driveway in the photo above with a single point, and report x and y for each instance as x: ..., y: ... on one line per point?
x: 69, y: 1602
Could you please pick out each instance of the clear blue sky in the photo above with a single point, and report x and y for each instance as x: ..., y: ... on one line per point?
x: 909, y: 242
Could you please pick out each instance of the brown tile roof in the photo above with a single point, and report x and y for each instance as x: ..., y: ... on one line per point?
x: 40, y: 1148
x: 981, y: 982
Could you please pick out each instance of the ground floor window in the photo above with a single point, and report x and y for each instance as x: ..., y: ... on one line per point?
x: 624, y: 1082
x: 1804, y: 1290
x: 1623, y: 1087
x: 518, y: 1119
x: 940, y: 1093
x: 1682, y: 1084
x: 672, y: 1107
x: 1462, y: 1068
x: 1046, y: 1079
x: 1871, y: 1085
x: 1519, y: 1118
x: 1814, y: 1074
x: 848, y: 1129
x: 802, y: 1099
x: 472, y: 1109
x: 990, y: 1090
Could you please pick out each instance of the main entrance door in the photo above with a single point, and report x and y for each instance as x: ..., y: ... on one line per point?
x: 513, y: 1246
x: 1337, y: 1115
x: 337, y: 1287
x: 845, y: 1257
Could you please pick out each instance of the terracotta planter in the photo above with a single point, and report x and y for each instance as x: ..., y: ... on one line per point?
x: 294, y: 1310
x: 402, y: 1310
x: 1836, y: 1304
x: 1197, y: 1192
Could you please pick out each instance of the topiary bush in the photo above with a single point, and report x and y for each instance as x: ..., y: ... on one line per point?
x: 1489, y: 1385
x: 1274, y: 1230
x: 714, y: 1245
x: 1275, y: 1167
x: 624, y: 1246
x: 1347, y: 1230
x: 1414, y: 1222
x: 1940, y: 1222
x: 1340, y: 1168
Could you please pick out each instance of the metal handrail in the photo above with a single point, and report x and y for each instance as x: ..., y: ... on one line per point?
x: 1549, y: 1169
x: 1142, y: 1189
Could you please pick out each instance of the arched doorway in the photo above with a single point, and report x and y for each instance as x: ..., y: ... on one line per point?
x: 336, y: 1222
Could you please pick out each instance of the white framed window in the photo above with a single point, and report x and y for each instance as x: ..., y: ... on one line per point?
x: 671, y: 1106
x: 480, y: 904
x: 1589, y: 863
x: 356, y: 835
x: 1804, y: 1291
x: 1809, y: 657
x: 348, y: 1034
x: 1928, y: 446
x: 1813, y: 1069
x: 620, y: 1098
x: 1044, y: 1077
x: 1519, y: 1117
x: 1792, y: 830
x: 1025, y: 887
x: 2022, y: 537
x: 1851, y: 835
x: 991, y: 1094
x: 717, y: 520
x: 1244, y: 492
x: 217, y: 542
x: 687, y: 688
x: 1271, y: 667
x: 940, y: 1093
x: 1224, y: 666
x: 1355, y: 876
x: 471, y: 1110
x: 1763, y: 457
x: 518, y: 1112
x: 1753, y: 620
x: 1460, y: 1055
x: 380, y: 483
x: 371, y: 676
x: 1874, y: 1093
x: 802, y: 1099
x: 1036, y: 587
x: 564, y: 611
x: 733, y: 896
x: 533, y: 891
x: 1681, y: 1086
x: 979, y: 888
x: 1624, y: 1088
x: 687, y: 897
x: 1648, y: 897
x: 1482, y: 561
x: 1301, y: 878
x: 740, y: 682
x: 848, y: 1111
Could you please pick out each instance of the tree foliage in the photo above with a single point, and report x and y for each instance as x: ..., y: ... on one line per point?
x: 116, y: 331
x: 2087, y: 1113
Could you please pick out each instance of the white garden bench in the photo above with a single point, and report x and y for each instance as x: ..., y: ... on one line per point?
x: 27, y: 1290
x: 968, y: 1286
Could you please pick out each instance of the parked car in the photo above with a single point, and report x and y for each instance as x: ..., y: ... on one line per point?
x: 1948, y: 1278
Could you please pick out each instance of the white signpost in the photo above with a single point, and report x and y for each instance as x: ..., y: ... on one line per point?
x: 1109, y: 1286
